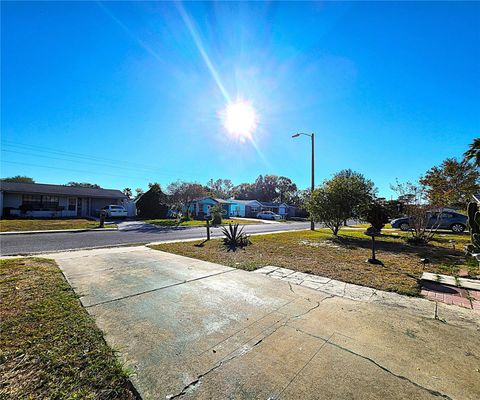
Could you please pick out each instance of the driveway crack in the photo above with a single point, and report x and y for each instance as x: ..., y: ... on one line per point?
x: 371, y: 360
x: 239, y: 353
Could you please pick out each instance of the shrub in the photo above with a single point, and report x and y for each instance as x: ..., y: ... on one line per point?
x: 474, y: 225
x: 376, y: 214
x: 216, y: 212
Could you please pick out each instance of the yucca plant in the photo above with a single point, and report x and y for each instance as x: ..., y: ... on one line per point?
x: 235, y: 237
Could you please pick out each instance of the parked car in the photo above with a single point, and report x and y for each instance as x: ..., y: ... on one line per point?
x: 447, y: 220
x: 268, y: 215
x: 114, y: 211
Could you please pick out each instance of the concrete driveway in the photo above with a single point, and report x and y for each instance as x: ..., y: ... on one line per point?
x: 193, y: 329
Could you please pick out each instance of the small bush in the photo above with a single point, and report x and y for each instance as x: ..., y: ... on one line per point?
x: 235, y: 237
x: 216, y: 212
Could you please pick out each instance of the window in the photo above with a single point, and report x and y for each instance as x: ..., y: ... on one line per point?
x: 39, y: 202
x: 32, y: 199
x: 72, y: 204
x: 49, y: 201
x: 446, y: 215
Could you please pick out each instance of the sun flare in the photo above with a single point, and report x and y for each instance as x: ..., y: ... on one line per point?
x: 240, y: 120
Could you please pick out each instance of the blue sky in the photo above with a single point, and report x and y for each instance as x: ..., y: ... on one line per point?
x: 122, y: 94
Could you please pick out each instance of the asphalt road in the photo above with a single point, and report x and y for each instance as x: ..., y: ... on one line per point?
x: 51, y: 242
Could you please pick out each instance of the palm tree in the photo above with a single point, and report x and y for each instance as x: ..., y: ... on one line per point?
x: 473, y: 153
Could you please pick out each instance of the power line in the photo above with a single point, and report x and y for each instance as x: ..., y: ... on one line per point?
x: 77, y: 161
x: 44, y: 149
x: 68, y: 169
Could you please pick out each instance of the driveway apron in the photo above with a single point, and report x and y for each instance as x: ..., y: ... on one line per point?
x: 193, y: 329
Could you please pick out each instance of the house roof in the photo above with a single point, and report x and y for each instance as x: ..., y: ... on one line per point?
x: 60, y: 190
x: 270, y: 204
x: 221, y: 200
x: 246, y: 202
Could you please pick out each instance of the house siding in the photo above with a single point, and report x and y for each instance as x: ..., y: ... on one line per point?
x: 89, y: 206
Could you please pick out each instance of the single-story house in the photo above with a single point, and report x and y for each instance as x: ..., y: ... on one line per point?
x: 200, y: 208
x: 238, y: 208
x: 282, y: 209
x: 245, y: 208
x: 56, y: 201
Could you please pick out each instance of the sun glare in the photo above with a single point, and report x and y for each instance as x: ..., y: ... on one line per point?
x: 240, y: 120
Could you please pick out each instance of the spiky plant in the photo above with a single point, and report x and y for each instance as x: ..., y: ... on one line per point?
x: 474, y: 225
x: 235, y: 237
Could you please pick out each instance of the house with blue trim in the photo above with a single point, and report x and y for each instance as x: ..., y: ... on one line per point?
x: 238, y: 208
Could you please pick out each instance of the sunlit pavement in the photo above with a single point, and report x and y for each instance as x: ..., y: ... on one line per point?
x: 193, y: 329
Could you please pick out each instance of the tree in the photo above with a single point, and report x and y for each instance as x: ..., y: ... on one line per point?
x: 268, y: 188
x: 244, y: 191
x: 221, y: 188
x: 139, y: 192
x: 452, y: 183
x: 327, y: 205
x: 473, y: 153
x: 127, y: 192
x: 415, y: 197
x: 286, y: 189
x: 340, y: 198
x: 354, y: 189
x: 18, y: 179
x: 376, y: 214
x: 182, y: 194
x: 153, y: 203
x: 84, y: 185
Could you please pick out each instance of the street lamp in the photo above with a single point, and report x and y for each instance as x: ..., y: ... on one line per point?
x: 312, y: 223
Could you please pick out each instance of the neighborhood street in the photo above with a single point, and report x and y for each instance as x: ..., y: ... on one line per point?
x: 130, y: 233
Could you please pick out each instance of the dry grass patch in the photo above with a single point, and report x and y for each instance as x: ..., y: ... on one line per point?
x: 50, y: 347
x: 17, y: 225
x: 343, y: 258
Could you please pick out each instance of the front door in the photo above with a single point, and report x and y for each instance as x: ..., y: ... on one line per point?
x: 79, y: 207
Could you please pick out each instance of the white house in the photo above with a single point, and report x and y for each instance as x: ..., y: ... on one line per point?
x: 56, y: 201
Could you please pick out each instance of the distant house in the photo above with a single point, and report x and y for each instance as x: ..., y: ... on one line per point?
x: 239, y: 208
x: 245, y: 208
x: 200, y: 208
x: 59, y: 201
x: 282, y: 209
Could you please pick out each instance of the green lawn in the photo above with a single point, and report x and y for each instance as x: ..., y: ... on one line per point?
x: 174, y: 222
x: 343, y: 258
x: 50, y: 347
x: 17, y: 225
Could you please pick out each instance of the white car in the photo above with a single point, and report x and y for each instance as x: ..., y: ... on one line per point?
x: 268, y: 215
x: 114, y: 211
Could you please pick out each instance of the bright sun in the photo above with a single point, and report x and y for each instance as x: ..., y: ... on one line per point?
x: 240, y: 120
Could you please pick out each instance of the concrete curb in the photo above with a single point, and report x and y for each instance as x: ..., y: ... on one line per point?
x: 57, y: 231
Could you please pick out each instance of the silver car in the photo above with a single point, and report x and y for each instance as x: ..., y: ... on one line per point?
x: 268, y: 215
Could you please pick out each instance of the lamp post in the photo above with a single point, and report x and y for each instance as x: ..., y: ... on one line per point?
x: 312, y: 136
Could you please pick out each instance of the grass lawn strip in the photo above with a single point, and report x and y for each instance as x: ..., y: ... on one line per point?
x: 343, y: 258
x: 50, y: 346
x: 17, y: 225
x: 174, y: 222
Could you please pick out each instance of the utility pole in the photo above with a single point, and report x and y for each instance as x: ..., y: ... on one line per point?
x: 312, y: 137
